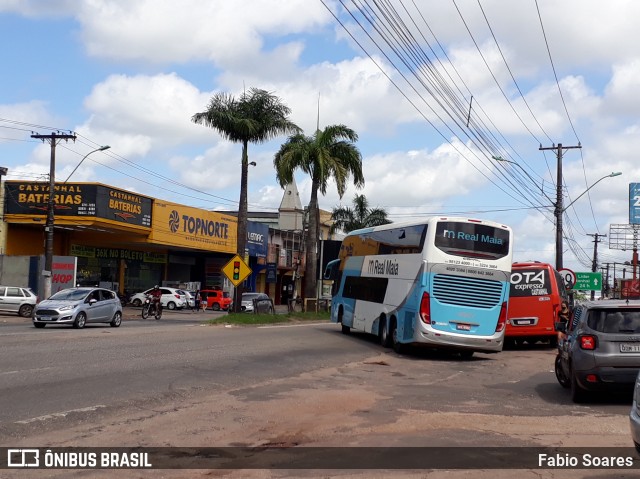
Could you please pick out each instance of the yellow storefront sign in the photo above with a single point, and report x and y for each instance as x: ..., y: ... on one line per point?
x: 236, y: 270
x: 178, y: 225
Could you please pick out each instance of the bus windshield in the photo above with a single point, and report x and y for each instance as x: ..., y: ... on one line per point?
x: 472, y: 239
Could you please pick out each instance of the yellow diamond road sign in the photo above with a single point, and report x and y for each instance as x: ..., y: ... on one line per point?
x: 236, y: 270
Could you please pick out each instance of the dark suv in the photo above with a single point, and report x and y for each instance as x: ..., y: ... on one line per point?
x: 601, y: 350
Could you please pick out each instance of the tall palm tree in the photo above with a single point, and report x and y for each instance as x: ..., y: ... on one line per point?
x: 255, y: 117
x: 360, y: 216
x: 328, y: 154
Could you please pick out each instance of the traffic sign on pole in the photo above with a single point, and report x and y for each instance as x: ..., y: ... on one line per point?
x: 568, y: 276
x: 236, y: 270
x: 588, y: 281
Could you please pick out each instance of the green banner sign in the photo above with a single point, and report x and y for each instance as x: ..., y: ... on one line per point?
x: 588, y: 281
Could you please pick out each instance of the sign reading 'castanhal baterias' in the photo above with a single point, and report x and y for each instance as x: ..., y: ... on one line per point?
x: 78, y: 199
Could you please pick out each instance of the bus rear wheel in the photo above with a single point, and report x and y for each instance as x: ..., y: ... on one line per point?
x: 385, y: 337
x: 398, y: 347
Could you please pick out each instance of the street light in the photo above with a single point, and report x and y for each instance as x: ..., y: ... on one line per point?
x: 48, y: 244
x: 102, y: 148
x: 499, y: 158
x: 559, y: 209
x: 617, y: 173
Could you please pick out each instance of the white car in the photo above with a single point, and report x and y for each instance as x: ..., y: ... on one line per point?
x: 261, y: 301
x: 172, y: 298
x: 14, y: 299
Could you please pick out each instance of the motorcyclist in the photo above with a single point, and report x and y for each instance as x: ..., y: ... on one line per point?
x: 156, y: 297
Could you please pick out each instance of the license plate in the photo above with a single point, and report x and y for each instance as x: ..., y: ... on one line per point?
x: 44, y: 318
x: 523, y: 322
x: 629, y: 348
x: 463, y: 327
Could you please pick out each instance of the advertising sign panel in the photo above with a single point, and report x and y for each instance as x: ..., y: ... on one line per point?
x: 179, y: 225
x: 272, y: 273
x: 78, y: 199
x: 257, y: 234
x: 634, y: 203
x: 63, y: 273
x: 629, y: 288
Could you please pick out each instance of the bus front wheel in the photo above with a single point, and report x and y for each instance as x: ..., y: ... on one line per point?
x: 345, y: 329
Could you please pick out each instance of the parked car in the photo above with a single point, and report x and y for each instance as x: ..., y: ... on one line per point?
x: 601, y: 350
x: 256, y: 302
x: 216, y: 299
x: 14, y: 299
x: 190, y: 297
x: 634, y: 415
x: 79, y: 306
x: 172, y: 298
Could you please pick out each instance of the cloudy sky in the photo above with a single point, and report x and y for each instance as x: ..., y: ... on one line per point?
x: 434, y: 89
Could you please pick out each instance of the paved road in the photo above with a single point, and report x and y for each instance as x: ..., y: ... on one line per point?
x: 176, y: 382
x: 48, y: 372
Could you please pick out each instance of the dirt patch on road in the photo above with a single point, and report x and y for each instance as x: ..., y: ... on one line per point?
x: 353, y: 405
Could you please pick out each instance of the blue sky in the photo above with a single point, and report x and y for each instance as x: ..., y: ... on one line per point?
x: 130, y: 74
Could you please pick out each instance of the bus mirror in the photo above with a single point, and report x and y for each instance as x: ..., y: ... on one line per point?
x: 330, y: 270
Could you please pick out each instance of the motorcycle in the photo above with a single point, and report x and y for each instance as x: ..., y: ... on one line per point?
x: 149, y: 308
x: 123, y: 299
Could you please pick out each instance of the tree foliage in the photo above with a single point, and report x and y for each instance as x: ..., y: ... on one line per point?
x: 328, y: 154
x: 360, y: 216
x: 256, y: 116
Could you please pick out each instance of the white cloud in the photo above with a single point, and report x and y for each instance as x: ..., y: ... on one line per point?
x: 165, y: 31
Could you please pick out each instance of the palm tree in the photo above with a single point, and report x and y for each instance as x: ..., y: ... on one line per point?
x: 255, y: 117
x: 328, y: 154
x: 360, y: 216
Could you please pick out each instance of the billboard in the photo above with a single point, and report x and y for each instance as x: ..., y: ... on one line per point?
x: 78, y: 199
x: 634, y: 203
x: 629, y: 288
x: 257, y: 235
x: 178, y: 225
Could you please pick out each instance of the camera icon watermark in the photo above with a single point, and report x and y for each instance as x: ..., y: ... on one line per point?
x: 23, y: 458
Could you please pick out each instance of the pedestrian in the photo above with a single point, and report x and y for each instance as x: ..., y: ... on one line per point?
x: 196, y: 301
x: 563, y: 317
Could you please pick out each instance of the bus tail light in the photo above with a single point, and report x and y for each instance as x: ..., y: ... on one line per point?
x: 425, y: 308
x: 502, y: 319
x: 587, y: 342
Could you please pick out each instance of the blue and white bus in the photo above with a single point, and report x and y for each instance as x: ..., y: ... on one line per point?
x: 439, y: 282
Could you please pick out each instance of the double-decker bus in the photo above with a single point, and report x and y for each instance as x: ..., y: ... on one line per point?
x: 535, y: 300
x: 441, y: 282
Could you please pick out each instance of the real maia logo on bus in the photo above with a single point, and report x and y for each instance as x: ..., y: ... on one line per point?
x: 472, y: 237
x: 383, y: 267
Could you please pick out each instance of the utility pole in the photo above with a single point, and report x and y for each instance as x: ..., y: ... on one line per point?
x: 594, y: 265
x: 559, y: 210
x: 53, y: 139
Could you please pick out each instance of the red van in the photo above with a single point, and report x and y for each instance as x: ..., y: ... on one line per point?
x: 535, y: 298
x: 216, y: 299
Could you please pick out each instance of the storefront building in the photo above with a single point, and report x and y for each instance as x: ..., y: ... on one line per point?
x: 127, y: 241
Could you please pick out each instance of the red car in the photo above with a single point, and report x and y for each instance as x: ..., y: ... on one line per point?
x: 216, y: 299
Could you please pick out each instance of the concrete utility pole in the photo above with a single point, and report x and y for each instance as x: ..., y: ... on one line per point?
x: 53, y: 139
x: 594, y: 265
x: 559, y: 210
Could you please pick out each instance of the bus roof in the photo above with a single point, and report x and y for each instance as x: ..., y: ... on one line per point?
x: 425, y: 220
